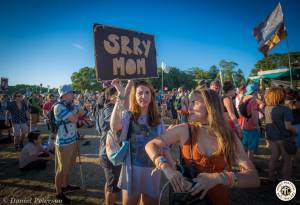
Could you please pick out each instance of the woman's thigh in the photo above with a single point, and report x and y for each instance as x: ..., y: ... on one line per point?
x: 286, y: 157
x: 147, y: 200
x: 129, y: 200
x: 275, y: 149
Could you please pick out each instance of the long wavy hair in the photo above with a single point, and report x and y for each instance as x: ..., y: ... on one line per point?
x: 154, y: 117
x: 226, y: 139
x: 275, y: 96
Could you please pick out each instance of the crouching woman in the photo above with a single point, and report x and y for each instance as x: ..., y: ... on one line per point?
x: 210, y: 148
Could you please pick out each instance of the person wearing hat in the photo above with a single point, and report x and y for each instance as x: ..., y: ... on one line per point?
x: 66, y: 117
x: 250, y: 124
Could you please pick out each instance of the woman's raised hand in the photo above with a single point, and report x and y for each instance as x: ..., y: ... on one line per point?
x: 117, y: 84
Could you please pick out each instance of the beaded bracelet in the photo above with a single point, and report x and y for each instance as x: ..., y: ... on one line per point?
x: 230, y: 179
x: 224, y: 178
x: 235, y: 179
x: 162, y: 160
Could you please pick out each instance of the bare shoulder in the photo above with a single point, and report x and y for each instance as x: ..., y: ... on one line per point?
x: 179, y: 132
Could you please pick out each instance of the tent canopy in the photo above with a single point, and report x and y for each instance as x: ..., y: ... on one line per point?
x: 270, y: 74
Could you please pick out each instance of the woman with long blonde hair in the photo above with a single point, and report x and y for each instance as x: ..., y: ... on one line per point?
x: 143, y: 122
x: 210, y: 148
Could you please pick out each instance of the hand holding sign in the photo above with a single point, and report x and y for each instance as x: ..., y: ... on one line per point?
x: 117, y: 84
x: 123, y: 54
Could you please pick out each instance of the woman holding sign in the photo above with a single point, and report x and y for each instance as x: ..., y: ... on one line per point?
x: 136, y: 180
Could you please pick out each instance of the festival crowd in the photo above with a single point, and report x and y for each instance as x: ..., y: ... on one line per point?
x: 217, y: 127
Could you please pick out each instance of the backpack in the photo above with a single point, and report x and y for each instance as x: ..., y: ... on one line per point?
x: 53, y: 123
x: 178, y: 103
x: 243, y: 109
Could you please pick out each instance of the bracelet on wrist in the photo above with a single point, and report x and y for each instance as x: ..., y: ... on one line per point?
x: 224, y: 178
x: 162, y: 160
x: 229, y: 178
x: 235, y: 179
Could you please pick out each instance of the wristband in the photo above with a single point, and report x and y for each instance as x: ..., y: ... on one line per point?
x: 229, y: 177
x: 224, y: 178
x: 235, y: 179
x: 162, y: 160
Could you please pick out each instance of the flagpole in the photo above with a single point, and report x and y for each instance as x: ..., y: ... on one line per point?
x: 221, y: 78
x: 291, y: 77
x: 162, y: 80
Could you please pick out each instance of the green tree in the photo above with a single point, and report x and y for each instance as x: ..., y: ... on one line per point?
x: 232, y: 73
x: 199, y: 73
x: 239, y: 78
x: 174, y: 79
x: 228, y: 68
x: 213, y: 72
x: 274, y: 61
x: 85, y: 79
x: 28, y: 89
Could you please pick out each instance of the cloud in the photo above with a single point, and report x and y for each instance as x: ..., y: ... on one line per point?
x: 76, y: 45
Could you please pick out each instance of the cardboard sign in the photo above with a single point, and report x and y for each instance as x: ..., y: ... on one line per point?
x: 4, y: 84
x: 123, y: 54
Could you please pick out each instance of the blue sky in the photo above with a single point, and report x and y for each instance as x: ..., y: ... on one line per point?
x: 45, y: 41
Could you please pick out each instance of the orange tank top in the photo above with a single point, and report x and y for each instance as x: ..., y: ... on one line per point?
x: 219, y: 194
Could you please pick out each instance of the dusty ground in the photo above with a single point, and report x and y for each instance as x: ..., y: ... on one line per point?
x: 36, y: 187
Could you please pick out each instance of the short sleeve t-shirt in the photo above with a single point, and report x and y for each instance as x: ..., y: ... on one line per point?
x: 18, y: 116
x: 47, y: 106
x: 66, y: 134
x: 141, y: 134
x: 29, y: 150
x: 34, y: 105
x: 275, y: 118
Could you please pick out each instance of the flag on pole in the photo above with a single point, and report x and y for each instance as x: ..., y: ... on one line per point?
x: 270, y: 23
x: 164, y: 67
x: 275, y: 39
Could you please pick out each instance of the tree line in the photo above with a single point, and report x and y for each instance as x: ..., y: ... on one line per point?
x: 85, y: 78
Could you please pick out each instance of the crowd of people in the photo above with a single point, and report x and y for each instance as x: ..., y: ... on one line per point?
x: 218, y: 128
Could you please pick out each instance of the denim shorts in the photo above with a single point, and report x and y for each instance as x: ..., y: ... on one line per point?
x: 111, y: 172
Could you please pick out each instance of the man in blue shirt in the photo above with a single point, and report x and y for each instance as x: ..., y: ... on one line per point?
x: 66, y: 117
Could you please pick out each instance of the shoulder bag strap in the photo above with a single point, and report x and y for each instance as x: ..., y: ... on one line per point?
x: 129, y: 127
x: 190, y: 146
x: 190, y: 141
